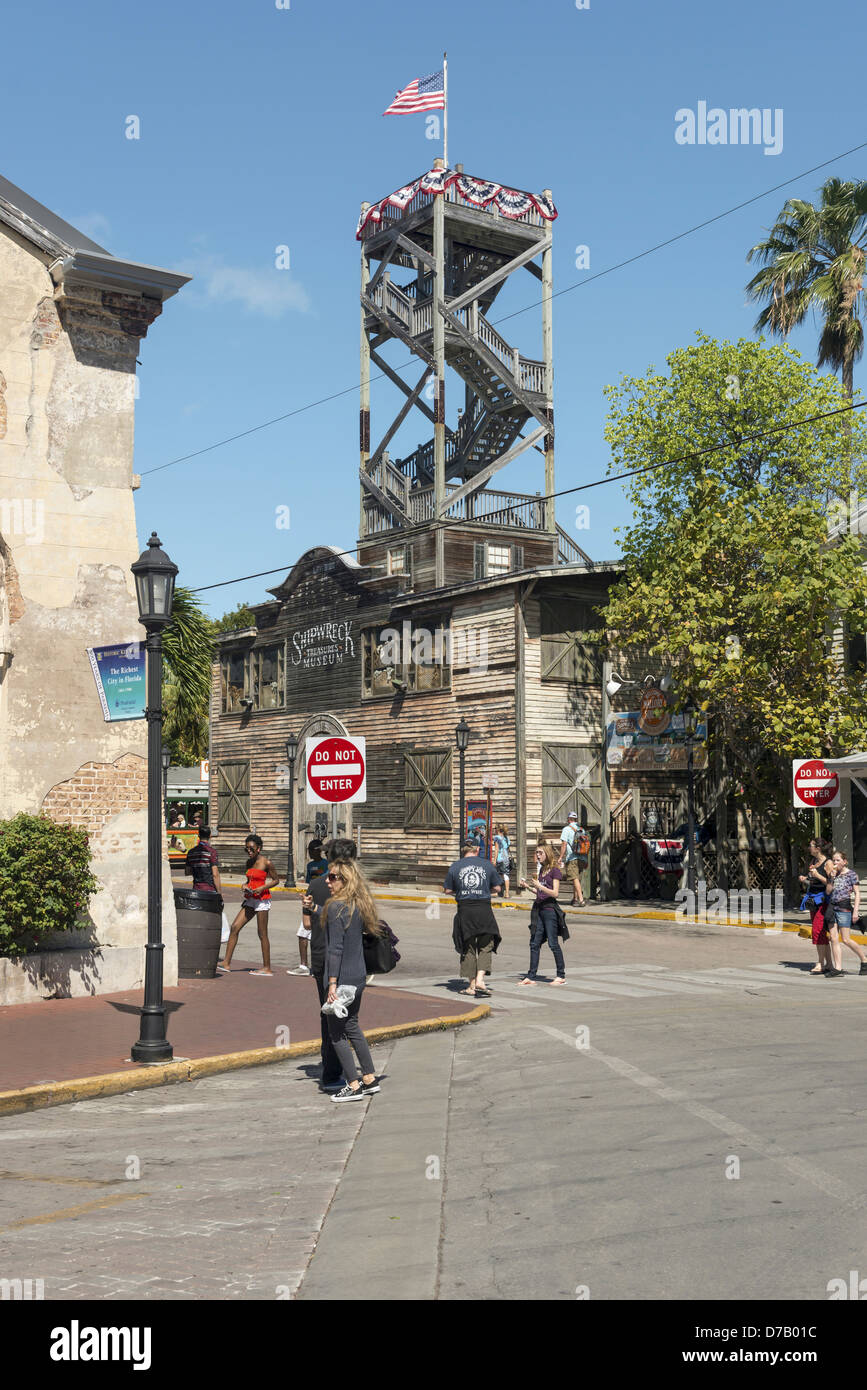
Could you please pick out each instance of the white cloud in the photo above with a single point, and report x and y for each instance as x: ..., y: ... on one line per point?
x: 270, y: 292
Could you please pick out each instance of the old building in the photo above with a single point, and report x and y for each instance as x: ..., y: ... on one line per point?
x: 72, y: 317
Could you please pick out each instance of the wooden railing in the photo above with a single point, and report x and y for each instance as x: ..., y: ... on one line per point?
x: 512, y: 509
x: 569, y: 552
x: 389, y: 479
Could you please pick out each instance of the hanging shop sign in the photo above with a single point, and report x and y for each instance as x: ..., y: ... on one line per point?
x: 654, y: 715
x: 635, y: 742
x: 120, y: 676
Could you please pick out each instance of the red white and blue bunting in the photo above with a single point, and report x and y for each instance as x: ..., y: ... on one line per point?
x: 478, y: 193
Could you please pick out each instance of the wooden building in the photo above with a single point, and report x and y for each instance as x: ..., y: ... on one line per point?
x: 461, y: 600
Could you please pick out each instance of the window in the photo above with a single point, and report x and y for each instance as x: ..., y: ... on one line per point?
x: 233, y: 795
x: 566, y: 656
x: 233, y: 680
x: 258, y: 675
x: 493, y: 560
x: 407, y: 657
x: 267, y: 678
x: 571, y: 776
x: 428, y: 789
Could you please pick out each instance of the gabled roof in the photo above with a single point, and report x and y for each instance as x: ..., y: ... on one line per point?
x: 76, y: 257
x: 311, y: 557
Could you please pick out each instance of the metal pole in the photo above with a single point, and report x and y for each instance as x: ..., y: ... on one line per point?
x: 605, y: 794
x: 690, y: 821
x: 290, y: 858
x: 152, y: 1045
x: 445, y: 111
x: 438, y: 349
x: 550, y: 521
x: 462, y: 828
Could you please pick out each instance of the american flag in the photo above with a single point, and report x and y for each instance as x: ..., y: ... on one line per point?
x: 424, y: 94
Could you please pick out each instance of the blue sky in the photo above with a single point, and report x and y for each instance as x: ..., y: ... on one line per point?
x: 261, y: 127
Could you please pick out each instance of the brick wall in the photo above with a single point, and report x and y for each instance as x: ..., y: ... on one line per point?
x: 98, y: 791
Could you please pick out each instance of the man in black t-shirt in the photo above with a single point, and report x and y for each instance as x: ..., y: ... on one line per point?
x: 475, y: 933
x: 313, y: 902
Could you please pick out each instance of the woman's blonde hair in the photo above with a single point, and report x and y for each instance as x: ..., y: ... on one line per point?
x: 353, y: 890
x: 550, y: 856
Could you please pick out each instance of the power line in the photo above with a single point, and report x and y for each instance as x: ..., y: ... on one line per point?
x: 599, y: 482
x: 579, y: 284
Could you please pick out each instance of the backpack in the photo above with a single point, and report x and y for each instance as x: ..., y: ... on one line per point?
x: 581, y: 844
x: 380, y: 955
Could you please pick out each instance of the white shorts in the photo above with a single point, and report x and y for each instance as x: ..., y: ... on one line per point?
x: 257, y: 904
x: 304, y: 933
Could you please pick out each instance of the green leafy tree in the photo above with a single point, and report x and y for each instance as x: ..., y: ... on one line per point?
x: 242, y: 616
x: 729, y: 573
x: 45, y: 881
x: 187, y: 647
x: 814, y: 258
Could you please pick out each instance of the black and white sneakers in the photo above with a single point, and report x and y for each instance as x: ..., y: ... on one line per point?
x: 348, y: 1094
x: 372, y: 1089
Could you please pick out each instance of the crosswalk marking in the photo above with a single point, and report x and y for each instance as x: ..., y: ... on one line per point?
x: 594, y: 984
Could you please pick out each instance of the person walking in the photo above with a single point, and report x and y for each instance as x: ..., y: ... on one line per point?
x: 203, y: 865
x: 336, y: 852
x: 815, y: 882
x: 261, y: 878
x: 845, y: 902
x: 475, y: 933
x: 547, y: 922
x: 570, y: 861
x: 502, y: 855
x: 348, y: 914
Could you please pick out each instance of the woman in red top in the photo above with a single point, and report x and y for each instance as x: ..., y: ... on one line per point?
x: 261, y: 878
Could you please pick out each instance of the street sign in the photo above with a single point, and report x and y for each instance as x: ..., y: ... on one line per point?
x: 815, y: 786
x: 336, y: 770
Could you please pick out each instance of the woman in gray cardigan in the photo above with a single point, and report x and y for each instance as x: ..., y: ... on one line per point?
x: 349, y: 912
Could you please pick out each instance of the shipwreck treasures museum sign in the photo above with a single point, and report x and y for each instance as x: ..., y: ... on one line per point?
x: 322, y: 644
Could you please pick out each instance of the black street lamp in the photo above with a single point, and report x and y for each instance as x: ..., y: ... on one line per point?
x: 690, y: 724
x: 166, y: 760
x: 462, y: 738
x: 155, y: 586
x: 291, y: 755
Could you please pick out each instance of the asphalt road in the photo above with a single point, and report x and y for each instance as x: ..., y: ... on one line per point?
x: 684, y: 1120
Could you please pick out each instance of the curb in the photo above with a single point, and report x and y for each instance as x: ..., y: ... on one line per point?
x: 170, y: 1073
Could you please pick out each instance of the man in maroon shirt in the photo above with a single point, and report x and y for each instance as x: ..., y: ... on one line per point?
x: 203, y: 865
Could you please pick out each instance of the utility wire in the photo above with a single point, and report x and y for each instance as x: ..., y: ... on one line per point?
x: 579, y: 284
x: 599, y: 482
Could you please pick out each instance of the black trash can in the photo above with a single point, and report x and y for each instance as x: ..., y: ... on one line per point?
x: 200, y: 924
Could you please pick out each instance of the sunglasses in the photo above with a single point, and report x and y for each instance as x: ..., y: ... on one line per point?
x: 336, y: 878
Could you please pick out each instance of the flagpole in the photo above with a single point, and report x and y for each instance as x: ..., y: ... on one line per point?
x: 445, y: 111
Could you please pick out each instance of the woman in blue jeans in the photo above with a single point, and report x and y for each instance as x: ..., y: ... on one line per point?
x: 547, y: 886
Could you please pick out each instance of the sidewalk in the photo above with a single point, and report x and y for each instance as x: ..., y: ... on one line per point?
x: 62, y: 1050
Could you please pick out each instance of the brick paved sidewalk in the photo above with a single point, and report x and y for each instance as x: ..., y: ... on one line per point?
x: 62, y: 1039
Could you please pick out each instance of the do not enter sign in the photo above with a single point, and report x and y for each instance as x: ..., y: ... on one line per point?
x: 335, y: 770
x: 815, y: 785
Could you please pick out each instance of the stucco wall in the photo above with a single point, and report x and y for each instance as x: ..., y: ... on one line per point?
x: 67, y: 539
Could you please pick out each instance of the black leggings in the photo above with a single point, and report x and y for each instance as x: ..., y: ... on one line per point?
x: 346, y: 1035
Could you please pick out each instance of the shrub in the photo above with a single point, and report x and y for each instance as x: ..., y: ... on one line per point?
x: 45, y: 880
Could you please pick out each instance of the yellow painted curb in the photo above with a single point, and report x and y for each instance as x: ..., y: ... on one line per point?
x: 169, y: 1073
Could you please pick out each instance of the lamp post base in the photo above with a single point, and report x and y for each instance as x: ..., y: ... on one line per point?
x: 157, y: 1050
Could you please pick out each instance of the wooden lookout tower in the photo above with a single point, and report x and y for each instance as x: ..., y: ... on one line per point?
x: 434, y: 257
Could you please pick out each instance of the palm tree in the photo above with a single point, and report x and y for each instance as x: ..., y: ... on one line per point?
x: 187, y: 647
x: 814, y: 259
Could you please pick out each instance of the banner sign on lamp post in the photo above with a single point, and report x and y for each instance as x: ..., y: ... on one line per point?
x: 815, y: 786
x: 336, y: 770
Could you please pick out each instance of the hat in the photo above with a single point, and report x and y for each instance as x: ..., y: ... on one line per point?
x: 573, y: 815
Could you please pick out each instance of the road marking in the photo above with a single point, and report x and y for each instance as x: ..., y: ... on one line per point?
x: 808, y: 1172
x: 69, y: 1213
x: 72, y: 1182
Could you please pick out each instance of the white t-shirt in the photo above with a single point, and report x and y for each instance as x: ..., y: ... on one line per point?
x: 567, y: 834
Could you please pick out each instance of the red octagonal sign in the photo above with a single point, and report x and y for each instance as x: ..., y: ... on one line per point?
x: 815, y: 785
x: 336, y: 770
